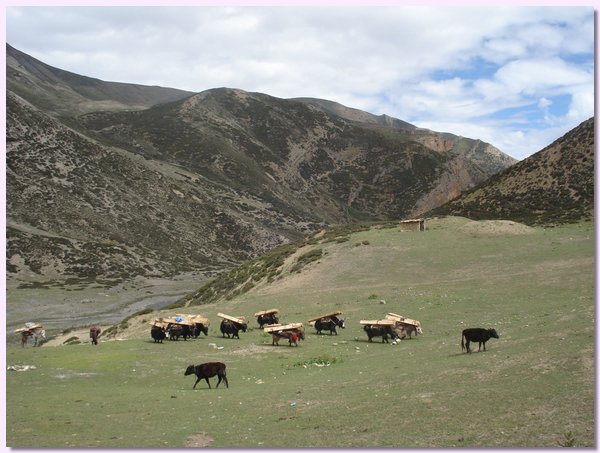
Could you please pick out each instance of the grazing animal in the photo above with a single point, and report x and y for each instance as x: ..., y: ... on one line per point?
x: 380, y: 331
x: 409, y: 329
x: 231, y: 328
x: 329, y: 324
x: 208, y: 370
x: 158, y: 334
x: 36, y: 334
x: 199, y: 327
x: 477, y: 334
x: 268, y: 318
x: 292, y: 336
x: 95, y: 333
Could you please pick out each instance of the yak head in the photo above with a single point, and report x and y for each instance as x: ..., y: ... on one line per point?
x: 190, y: 370
x: 493, y: 333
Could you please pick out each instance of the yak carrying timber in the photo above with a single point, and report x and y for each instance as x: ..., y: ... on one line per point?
x: 292, y: 332
x: 267, y: 317
x: 405, y: 325
x: 32, y: 330
x: 328, y: 315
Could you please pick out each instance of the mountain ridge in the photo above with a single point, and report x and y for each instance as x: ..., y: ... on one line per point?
x: 200, y: 181
x: 554, y: 185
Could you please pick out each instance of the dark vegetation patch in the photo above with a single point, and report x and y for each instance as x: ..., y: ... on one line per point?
x: 241, y: 279
x: 306, y: 258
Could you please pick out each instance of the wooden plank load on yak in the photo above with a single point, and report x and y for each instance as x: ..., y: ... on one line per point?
x: 280, y: 327
x: 199, y: 319
x: 159, y: 323
x: 292, y: 332
x: 31, y: 330
x: 406, y: 326
x: 268, y: 317
x: 377, y: 322
x: 327, y: 316
x: 267, y: 312
x: 403, y: 319
x: 231, y: 325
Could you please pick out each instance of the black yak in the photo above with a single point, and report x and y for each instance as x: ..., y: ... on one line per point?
x: 477, y: 334
x: 199, y: 327
x: 380, y: 331
x: 158, y: 334
x: 232, y: 328
x: 208, y: 370
x: 268, y: 318
x: 329, y: 324
x: 174, y: 331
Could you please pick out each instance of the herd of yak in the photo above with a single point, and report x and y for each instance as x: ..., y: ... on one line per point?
x: 330, y: 323
x: 232, y: 329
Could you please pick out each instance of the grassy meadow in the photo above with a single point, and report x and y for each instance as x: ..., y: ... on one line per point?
x: 533, y: 387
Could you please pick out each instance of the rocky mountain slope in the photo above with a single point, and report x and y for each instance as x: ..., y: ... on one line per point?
x: 108, y: 181
x: 554, y: 185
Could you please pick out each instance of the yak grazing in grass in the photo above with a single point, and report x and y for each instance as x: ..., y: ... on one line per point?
x: 477, y: 334
x: 208, y: 370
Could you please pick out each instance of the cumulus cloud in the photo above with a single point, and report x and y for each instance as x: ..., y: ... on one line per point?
x: 459, y: 68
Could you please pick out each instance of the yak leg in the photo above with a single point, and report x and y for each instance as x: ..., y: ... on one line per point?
x: 224, y: 377
x: 208, y: 382
x: 220, y: 379
x: 197, y: 380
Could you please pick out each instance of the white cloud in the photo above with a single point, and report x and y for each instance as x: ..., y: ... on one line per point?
x: 452, y: 66
x: 544, y: 103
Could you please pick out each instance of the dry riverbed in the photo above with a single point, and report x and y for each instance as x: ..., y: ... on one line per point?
x: 71, y: 306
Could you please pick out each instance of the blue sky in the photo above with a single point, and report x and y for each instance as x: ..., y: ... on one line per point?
x: 517, y: 77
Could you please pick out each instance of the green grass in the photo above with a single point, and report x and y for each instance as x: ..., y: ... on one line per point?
x: 533, y: 387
